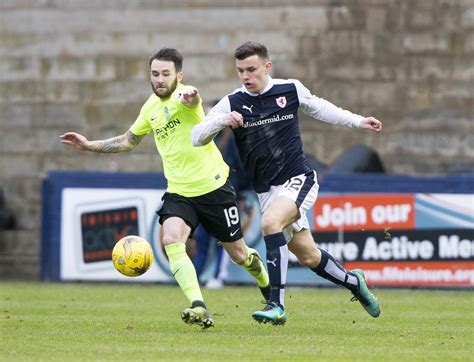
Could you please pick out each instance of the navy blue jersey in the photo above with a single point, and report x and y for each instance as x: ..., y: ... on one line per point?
x: 269, y: 141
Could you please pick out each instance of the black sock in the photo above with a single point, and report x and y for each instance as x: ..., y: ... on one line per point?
x: 198, y: 303
x: 277, y: 265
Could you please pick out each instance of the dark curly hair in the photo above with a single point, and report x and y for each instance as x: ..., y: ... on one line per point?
x: 169, y: 54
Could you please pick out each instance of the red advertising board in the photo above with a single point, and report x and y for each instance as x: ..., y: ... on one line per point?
x: 364, y: 212
x: 400, y: 240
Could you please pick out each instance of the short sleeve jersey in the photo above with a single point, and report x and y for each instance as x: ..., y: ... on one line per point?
x: 190, y: 171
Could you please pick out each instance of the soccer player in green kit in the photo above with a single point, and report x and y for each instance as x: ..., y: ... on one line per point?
x: 198, y: 188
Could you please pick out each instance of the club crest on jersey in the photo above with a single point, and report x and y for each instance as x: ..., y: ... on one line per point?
x: 167, y: 113
x: 281, y: 101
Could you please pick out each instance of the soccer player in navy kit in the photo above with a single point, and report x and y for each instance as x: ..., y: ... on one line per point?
x: 263, y: 115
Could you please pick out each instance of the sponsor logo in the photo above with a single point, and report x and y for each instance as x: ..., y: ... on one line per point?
x: 369, y: 212
x: 101, y: 229
x: 273, y: 262
x: 423, y: 274
x: 274, y: 119
x: 234, y: 232
x: 248, y: 108
x: 423, y: 257
x: 281, y: 101
x: 170, y: 127
x: 409, y: 245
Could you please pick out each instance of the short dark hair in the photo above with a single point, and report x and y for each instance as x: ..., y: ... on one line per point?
x: 250, y: 48
x: 171, y: 55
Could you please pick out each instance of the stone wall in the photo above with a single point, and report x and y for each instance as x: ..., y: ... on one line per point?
x: 82, y: 65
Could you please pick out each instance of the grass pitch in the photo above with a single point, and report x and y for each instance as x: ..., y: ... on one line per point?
x: 141, y: 322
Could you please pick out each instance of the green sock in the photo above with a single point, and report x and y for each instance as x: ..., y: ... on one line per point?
x: 255, y: 267
x: 183, y: 271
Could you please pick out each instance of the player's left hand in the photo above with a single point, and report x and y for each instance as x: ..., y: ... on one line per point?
x: 371, y: 124
x: 189, y: 96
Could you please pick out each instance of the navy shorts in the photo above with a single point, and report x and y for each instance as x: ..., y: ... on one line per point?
x: 217, y: 211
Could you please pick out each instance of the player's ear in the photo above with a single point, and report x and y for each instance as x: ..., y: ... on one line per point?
x: 268, y: 67
x: 179, y: 76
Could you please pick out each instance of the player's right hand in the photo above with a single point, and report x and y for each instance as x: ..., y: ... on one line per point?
x: 233, y: 119
x: 75, y: 140
x: 371, y: 124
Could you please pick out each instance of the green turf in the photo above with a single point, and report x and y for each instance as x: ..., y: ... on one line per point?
x: 138, y: 322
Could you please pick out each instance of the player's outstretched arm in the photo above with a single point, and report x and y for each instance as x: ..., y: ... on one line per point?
x: 371, y: 124
x: 190, y: 97
x: 122, y: 143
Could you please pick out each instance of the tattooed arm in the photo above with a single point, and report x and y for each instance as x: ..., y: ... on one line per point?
x: 123, y: 143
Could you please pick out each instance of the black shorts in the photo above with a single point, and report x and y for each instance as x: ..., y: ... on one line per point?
x: 217, y: 211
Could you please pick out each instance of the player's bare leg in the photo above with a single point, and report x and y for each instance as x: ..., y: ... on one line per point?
x: 250, y: 260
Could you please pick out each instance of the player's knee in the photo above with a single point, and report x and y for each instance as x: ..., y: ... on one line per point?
x: 270, y: 224
x: 168, y: 239
x: 237, y: 251
x: 307, y: 260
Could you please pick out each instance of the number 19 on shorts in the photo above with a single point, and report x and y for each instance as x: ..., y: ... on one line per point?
x: 231, y: 216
